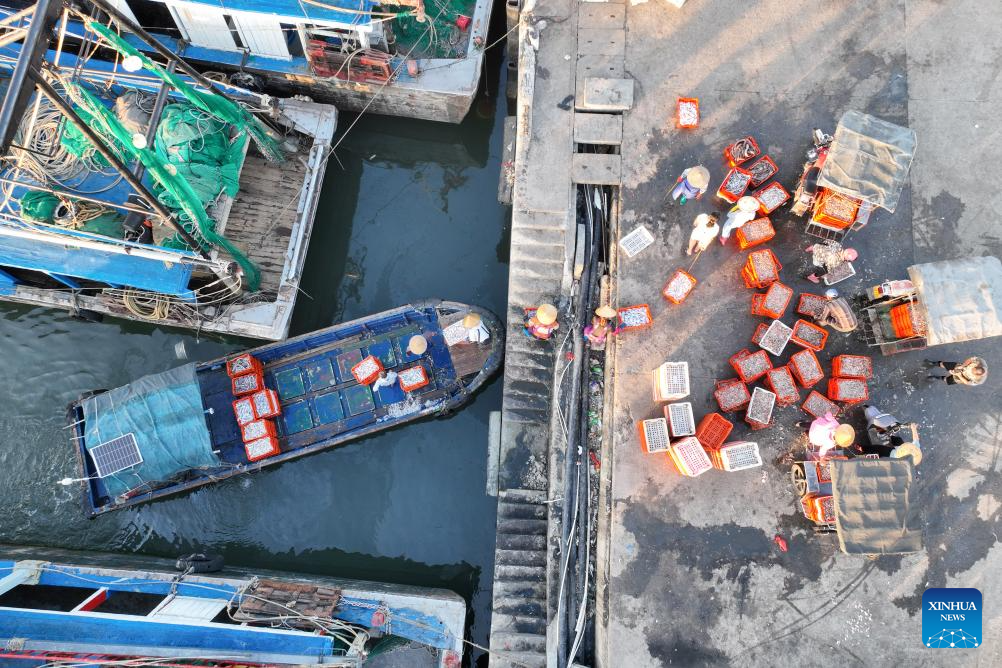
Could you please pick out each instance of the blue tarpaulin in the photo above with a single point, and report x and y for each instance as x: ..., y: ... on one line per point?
x: 164, y: 412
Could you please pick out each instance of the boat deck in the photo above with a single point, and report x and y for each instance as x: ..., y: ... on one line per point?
x: 264, y: 212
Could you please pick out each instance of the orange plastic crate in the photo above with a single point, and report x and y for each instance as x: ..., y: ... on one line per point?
x: 734, y: 185
x: 762, y: 170
x: 689, y: 457
x: 755, y: 233
x: 852, y: 366
x: 678, y: 286
x: 817, y: 404
x: 687, y: 112
x: 782, y: 384
x: 806, y: 368
x: 266, y: 404
x: 412, y: 378
x: 811, y: 305
x: 731, y: 395
x: 848, y: 390
x: 367, y: 371
x: 733, y: 160
x: 262, y: 448
x: 761, y: 268
x: 774, y: 302
x: 809, y: 335
x: 902, y: 322
x: 771, y: 197
x: 753, y: 366
x: 819, y: 508
x: 243, y: 364
x: 637, y: 316
x: 762, y: 327
x: 246, y: 384
x: 835, y: 209
x: 257, y: 429
x: 713, y: 430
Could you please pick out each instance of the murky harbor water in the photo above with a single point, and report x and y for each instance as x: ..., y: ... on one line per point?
x: 408, y: 211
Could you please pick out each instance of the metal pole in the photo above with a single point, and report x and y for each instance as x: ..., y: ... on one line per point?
x: 120, y: 167
x: 18, y: 92
x: 158, y: 110
x: 85, y: 198
x: 15, y: 35
x: 18, y: 16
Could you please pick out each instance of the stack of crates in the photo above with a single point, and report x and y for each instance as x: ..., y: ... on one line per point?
x: 835, y: 210
x: 773, y: 303
x: 654, y: 435
x: 254, y: 407
x: 671, y: 381
x: 713, y: 430
x: 736, y: 456
x: 755, y: 233
x: 680, y: 419
x: 689, y: 457
x: 848, y: 390
x: 761, y: 269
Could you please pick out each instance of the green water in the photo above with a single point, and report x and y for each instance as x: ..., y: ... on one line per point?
x: 408, y: 212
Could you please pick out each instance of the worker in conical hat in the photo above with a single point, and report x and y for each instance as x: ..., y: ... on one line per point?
x: 691, y: 184
x: 417, y: 345
x: 826, y: 433
x: 475, y: 330
x: 739, y: 214
x: 600, y: 328
x: 541, y: 321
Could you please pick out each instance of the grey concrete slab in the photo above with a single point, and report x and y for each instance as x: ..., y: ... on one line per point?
x: 602, y: 94
x: 610, y: 67
x: 693, y: 576
x: 603, y: 129
x: 596, y: 168
x: 602, y: 41
x: 605, y: 15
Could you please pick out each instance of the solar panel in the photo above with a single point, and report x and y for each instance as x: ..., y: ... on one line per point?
x: 116, y: 455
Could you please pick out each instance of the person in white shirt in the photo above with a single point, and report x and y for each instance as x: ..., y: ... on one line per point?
x: 386, y: 379
x: 740, y: 213
x: 704, y: 231
x: 476, y: 332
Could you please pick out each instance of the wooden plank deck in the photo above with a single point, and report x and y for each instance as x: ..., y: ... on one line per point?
x: 261, y: 218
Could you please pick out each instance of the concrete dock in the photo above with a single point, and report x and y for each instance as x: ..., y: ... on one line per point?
x: 688, y: 573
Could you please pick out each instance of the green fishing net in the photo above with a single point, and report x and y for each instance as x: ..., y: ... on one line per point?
x: 39, y: 207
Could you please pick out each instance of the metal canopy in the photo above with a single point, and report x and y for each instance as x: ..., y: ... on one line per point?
x: 872, y: 503
x: 869, y: 159
x: 960, y: 300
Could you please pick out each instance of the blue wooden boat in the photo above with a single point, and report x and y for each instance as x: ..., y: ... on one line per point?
x: 175, y: 431
x: 79, y: 609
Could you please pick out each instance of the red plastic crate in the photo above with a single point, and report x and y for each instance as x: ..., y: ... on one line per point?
x: 262, y: 448
x: 734, y: 185
x: 367, y: 371
x: 852, y: 366
x: 731, y: 395
x: 817, y: 404
x: 755, y: 233
x: 811, y: 305
x: 733, y: 160
x: 762, y: 170
x: 762, y: 327
x: 761, y: 268
x: 753, y: 366
x: 756, y: 304
x: 257, y: 429
x: 243, y: 364
x: 634, y: 317
x: 835, y: 209
x: 678, y: 286
x: 771, y: 197
x: 687, y: 112
x: 266, y: 404
x: 247, y: 383
x: 413, y: 378
x: 713, y: 430
x: 808, y: 335
x: 848, y: 390
x: 774, y: 302
x: 782, y: 384
x: 806, y: 368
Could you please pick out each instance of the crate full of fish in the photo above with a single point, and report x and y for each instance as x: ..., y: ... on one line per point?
x: 811, y: 305
x: 741, y: 151
x: 262, y: 448
x: 771, y: 197
x: 678, y: 286
x: 848, y: 390
x: 809, y: 335
x: 781, y: 382
x: 257, y: 429
x: 266, y: 404
x: 731, y: 395
x: 775, y: 338
x: 687, y: 112
x: 752, y: 366
x: 413, y: 378
x: 367, y: 371
x: 637, y: 316
x: 759, y: 412
x: 806, y: 368
x: 762, y: 170
x: 243, y: 364
x: 852, y: 366
x: 755, y: 233
x: 774, y: 302
x: 247, y: 383
x: 817, y: 405
x: 734, y: 185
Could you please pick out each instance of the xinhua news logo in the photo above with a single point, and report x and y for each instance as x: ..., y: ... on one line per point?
x: 951, y: 618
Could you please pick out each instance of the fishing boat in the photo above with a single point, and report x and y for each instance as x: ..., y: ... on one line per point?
x: 402, y: 58
x: 203, y: 423
x: 88, y: 608
x: 134, y: 187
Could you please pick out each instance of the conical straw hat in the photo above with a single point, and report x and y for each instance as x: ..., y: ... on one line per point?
x: 844, y: 434
x: 471, y: 320
x: 606, y: 311
x: 417, y: 345
x: 546, y: 314
x: 748, y: 203
x: 698, y: 176
x: 908, y: 450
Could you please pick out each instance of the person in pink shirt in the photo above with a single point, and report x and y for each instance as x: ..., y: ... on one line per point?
x: 826, y: 433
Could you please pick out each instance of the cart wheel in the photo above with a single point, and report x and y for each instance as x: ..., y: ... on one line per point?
x: 799, y: 479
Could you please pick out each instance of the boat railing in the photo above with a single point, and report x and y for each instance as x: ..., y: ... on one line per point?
x: 361, y: 65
